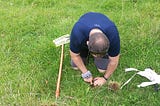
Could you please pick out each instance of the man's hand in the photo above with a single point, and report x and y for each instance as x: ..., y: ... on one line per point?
x: 89, y: 80
x: 99, y: 81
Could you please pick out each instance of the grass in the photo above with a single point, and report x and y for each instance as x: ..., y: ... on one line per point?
x: 29, y: 61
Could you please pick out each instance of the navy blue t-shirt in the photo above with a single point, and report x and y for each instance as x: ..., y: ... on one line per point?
x: 87, y: 22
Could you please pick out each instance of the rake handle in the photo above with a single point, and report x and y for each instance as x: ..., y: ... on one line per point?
x: 60, y: 72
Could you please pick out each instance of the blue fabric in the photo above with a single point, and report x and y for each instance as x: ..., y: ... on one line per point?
x: 87, y: 22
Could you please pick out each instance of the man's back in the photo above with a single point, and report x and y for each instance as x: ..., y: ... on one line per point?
x: 89, y: 21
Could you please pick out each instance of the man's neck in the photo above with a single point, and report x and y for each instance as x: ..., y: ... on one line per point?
x: 95, y: 31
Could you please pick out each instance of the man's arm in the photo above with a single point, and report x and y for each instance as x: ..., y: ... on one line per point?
x: 78, y: 61
x: 112, y: 65
x: 76, y: 58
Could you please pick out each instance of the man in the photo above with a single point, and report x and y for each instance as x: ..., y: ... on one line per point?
x: 96, y: 34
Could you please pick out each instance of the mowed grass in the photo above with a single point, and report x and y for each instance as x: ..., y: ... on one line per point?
x: 29, y: 61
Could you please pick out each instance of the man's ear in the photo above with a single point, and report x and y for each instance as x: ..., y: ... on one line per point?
x: 87, y: 42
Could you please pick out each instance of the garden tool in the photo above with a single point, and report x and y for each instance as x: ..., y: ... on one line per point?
x: 60, y: 42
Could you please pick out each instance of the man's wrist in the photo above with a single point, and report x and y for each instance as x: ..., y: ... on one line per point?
x: 105, y: 78
x: 87, y: 75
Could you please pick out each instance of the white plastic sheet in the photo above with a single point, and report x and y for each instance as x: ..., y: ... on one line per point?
x: 148, y: 73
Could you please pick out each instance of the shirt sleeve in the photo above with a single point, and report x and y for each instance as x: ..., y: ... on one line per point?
x: 114, y: 39
x: 75, y: 39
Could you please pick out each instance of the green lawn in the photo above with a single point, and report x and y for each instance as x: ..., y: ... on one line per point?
x: 29, y: 61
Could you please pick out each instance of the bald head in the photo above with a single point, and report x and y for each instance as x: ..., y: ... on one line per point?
x: 98, y: 43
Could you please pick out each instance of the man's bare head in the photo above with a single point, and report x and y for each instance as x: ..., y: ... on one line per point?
x: 98, y: 44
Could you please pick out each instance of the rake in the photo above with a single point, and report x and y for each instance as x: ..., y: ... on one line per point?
x: 61, y: 41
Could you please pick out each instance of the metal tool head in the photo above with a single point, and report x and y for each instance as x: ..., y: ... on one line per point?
x: 62, y: 40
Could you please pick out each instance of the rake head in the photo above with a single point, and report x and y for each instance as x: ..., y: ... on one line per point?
x: 62, y: 40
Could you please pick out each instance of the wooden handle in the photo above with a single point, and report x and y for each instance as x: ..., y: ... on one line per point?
x: 60, y: 72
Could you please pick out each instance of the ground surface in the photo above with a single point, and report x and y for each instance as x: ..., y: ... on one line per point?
x: 29, y: 61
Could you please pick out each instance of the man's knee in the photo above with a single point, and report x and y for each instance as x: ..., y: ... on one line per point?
x: 101, y: 64
x: 85, y: 62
